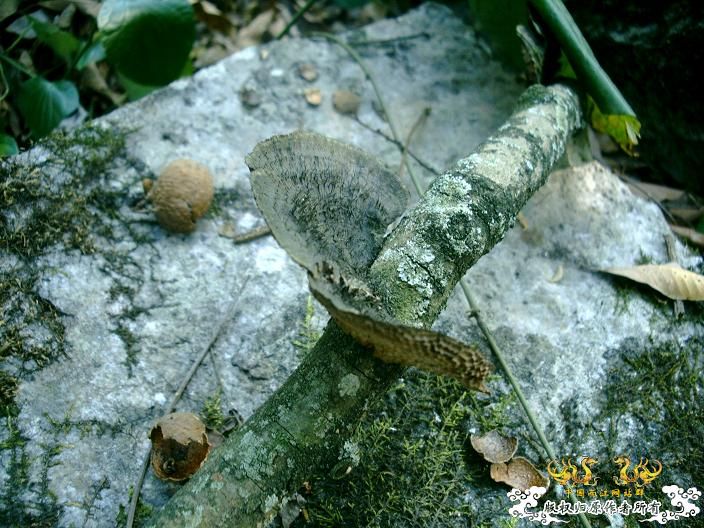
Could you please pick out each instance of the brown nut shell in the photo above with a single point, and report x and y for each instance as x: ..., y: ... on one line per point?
x: 181, y: 195
x: 346, y: 102
x: 179, y: 446
x: 494, y: 447
x: 518, y: 473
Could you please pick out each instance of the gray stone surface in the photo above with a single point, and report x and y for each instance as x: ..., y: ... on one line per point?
x: 574, y: 342
x: 140, y: 309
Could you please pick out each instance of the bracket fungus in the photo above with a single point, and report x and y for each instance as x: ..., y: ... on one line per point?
x: 181, y: 195
x: 324, y: 200
x: 328, y: 204
x: 179, y: 446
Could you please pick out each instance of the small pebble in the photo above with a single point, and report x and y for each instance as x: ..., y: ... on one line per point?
x: 308, y: 72
x: 346, y: 102
x: 313, y: 96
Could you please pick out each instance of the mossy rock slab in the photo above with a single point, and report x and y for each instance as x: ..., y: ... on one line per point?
x: 103, y: 312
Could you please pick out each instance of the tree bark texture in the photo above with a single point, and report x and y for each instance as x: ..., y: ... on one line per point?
x: 304, y: 425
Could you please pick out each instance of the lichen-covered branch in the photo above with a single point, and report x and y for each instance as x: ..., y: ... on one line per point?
x: 468, y: 209
x: 305, y: 424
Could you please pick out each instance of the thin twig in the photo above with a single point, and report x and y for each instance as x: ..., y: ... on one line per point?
x: 383, y: 134
x: 6, y: 85
x: 16, y: 65
x: 473, y: 306
x: 216, y: 372
x: 177, y: 396
x: 393, y: 40
x: 299, y: 14
x: 419, y: 122
x: 647, y: 195
x: 134, y: 500
x: 252, y: 234
x: 366, y: 71
x: 672, y: 254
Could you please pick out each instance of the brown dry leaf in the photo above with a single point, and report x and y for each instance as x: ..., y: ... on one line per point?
x: 659, y: 193
x: 519, y: 473
x: 9, y: 115
x: 211, y: 16
x: 669, y: 279
x: 93, y: 79
x: 278, y: 25
x: 313, y: 96
x: 522, y: 220
x: 373, y: 11
x: 252, y: 33
x: 210, y: 54
x: 692, y: 235
x: 89, y: 7
x: 26, y: 60
x: 320, y: 13
x: 494, y: 447
x: 688, y: 214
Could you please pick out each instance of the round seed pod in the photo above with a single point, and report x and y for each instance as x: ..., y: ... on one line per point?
x: 181, y: 195
x: 346, y: 102
x: 179, y: 446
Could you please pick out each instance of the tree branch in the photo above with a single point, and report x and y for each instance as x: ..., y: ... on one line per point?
x: 468, y: 209
x: 305, y: 423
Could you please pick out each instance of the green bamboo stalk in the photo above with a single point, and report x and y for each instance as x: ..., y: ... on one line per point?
x: 597, y: 82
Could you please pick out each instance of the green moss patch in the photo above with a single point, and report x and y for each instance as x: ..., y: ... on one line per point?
x: 59, y: 195
x: 413, y: 467
x: 661, y: 388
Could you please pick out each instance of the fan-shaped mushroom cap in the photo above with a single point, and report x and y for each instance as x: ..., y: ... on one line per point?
x: 324, y: 200
x: 352, y: 306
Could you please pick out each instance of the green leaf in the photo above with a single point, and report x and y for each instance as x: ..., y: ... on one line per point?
x: 624, y: 129
x: 581, y: 57
x: 8, y: 145
x: 94, y: 53
x: 351, y: 4
x: 63, y: 43
x: 147, y: 40
x: 497, y: 20
x: 43, y: 104
x: 134, y: 90
x: 8, y: 7
x: 700, y: 225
